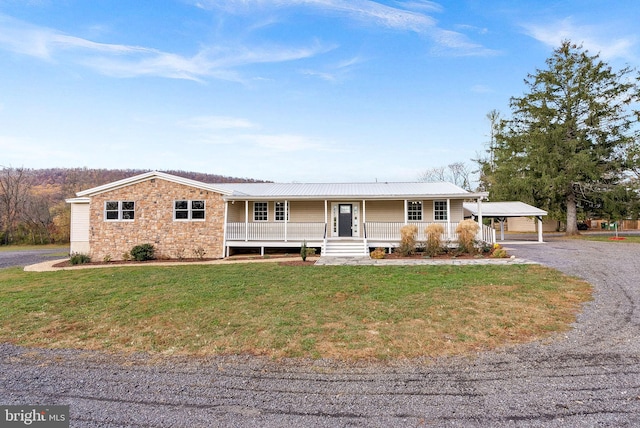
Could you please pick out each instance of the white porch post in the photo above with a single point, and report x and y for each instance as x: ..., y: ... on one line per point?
x: 286, y: 219
x: 480, y: 217
x: 406, y: 211
x: 246, y: 220
x: 364, y: 217
x: 540, y: 229
x: 224, y: 230
x: 449, y: 232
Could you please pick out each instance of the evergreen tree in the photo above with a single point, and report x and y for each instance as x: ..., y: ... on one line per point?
x: 567, y: 140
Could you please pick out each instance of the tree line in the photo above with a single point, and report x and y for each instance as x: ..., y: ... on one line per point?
x: 32, y: 201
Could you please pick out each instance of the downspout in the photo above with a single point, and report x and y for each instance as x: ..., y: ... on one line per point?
x: 225, y: 250
x: 326, y: 225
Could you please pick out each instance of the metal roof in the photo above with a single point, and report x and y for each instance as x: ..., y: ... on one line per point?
x: 383, y: 190
x: 503, y: 209
x: 241, y: 191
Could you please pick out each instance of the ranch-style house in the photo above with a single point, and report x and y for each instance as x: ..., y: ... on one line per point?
x: 180, y: 216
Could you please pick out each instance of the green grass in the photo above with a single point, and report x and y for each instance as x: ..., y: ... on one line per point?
x: 343, y: 312
x: 64, y: 248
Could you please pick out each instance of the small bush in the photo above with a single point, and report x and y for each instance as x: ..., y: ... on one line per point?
x: 434, y: 232
x: 200, y: 252
x: 79, y: 258
x: 106, y: 258
x: 303, y: 251
x: 180, y: 253
x: 499, y: 252
x: 143, y: 252
x: 408, y: 235
x: 378, y: 253
x: 467, y: 231
x: 126, y: 256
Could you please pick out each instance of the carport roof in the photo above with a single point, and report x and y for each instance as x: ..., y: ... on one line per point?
x: 503, y: 209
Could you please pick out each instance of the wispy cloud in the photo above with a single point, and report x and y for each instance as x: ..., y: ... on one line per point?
x: 210, y: 123
x: 407, y: 16
x: 334, y: 72
x: 130, y: 61
x: 596, y: 39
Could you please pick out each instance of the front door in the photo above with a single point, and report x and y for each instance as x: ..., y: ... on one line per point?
x: 345, y: 221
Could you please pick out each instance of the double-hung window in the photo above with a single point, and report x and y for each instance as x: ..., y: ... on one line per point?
x: 282, y: 211
x: 440, y: 211
x: 414, y: 211
x: 119, y: 210
x: 260, y: 211
x: 188, y: 210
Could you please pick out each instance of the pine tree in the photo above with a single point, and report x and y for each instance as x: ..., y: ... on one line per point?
x: 566, y: 141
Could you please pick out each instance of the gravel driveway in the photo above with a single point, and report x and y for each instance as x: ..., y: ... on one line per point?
x: 29, y: 257
x: 589, y: 377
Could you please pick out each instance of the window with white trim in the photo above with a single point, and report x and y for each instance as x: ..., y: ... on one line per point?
x: 260, y: 211
x: 414, y: 211
x: 282, y: 211
x: 440, y: 211
x: 188, y: 210
x: 119, y: 210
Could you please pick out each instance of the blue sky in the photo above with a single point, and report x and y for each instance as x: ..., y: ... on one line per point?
x: 282, y: 90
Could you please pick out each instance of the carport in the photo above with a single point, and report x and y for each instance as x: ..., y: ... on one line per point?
x: 501, y: 210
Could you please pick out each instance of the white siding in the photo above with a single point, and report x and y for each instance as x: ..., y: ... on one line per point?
x: 79, y: 233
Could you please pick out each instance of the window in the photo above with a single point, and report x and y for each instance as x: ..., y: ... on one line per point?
x: 440, y: 210
x: 281, y: 207
x: 260, y: 211
x: 414, y: 211
x: 188, y: 210
x: 119, y: 210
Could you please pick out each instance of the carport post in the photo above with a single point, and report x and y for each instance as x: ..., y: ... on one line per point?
x: 539, y: 228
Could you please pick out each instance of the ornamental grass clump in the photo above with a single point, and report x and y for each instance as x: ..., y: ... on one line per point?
x: 408, y: 241
x: 378, y: 253
x: 434, y: 232
x: 467, y: 231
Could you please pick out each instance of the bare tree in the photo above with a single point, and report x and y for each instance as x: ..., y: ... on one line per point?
x: 14, y: 194
x: 457, y: 173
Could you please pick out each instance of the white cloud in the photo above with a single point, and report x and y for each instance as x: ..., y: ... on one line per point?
x: 369, y: 12
x: 597, y: 39
x: 130, y: 61
x: 217, y: 123
x: 282, y: 142
x: 481, y: 89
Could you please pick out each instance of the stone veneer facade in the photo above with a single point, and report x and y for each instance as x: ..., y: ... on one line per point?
x: 154, y: 223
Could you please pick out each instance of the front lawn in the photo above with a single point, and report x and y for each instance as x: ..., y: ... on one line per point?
x: 343, y: 312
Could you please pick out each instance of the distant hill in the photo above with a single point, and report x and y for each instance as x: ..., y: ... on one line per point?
x: 72, y: 180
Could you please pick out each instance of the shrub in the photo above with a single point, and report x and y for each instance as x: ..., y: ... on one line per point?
x: 303, y: 251
x: 499, y: 252
x: 106, y: 258
x: 143, y: 252
x: 408, y: 239
x: 434, y: 232
x: 79, y: 258
x: 126, y: 256
x: 378, y: 253
x: 200, y: 252
x: 467, y: 231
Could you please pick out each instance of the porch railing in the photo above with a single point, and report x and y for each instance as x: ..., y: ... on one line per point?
x: 390, y: 231
x: 275, y: 231
x: 373, y: 231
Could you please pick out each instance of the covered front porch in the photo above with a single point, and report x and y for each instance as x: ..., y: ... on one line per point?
x: 350, y: 225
